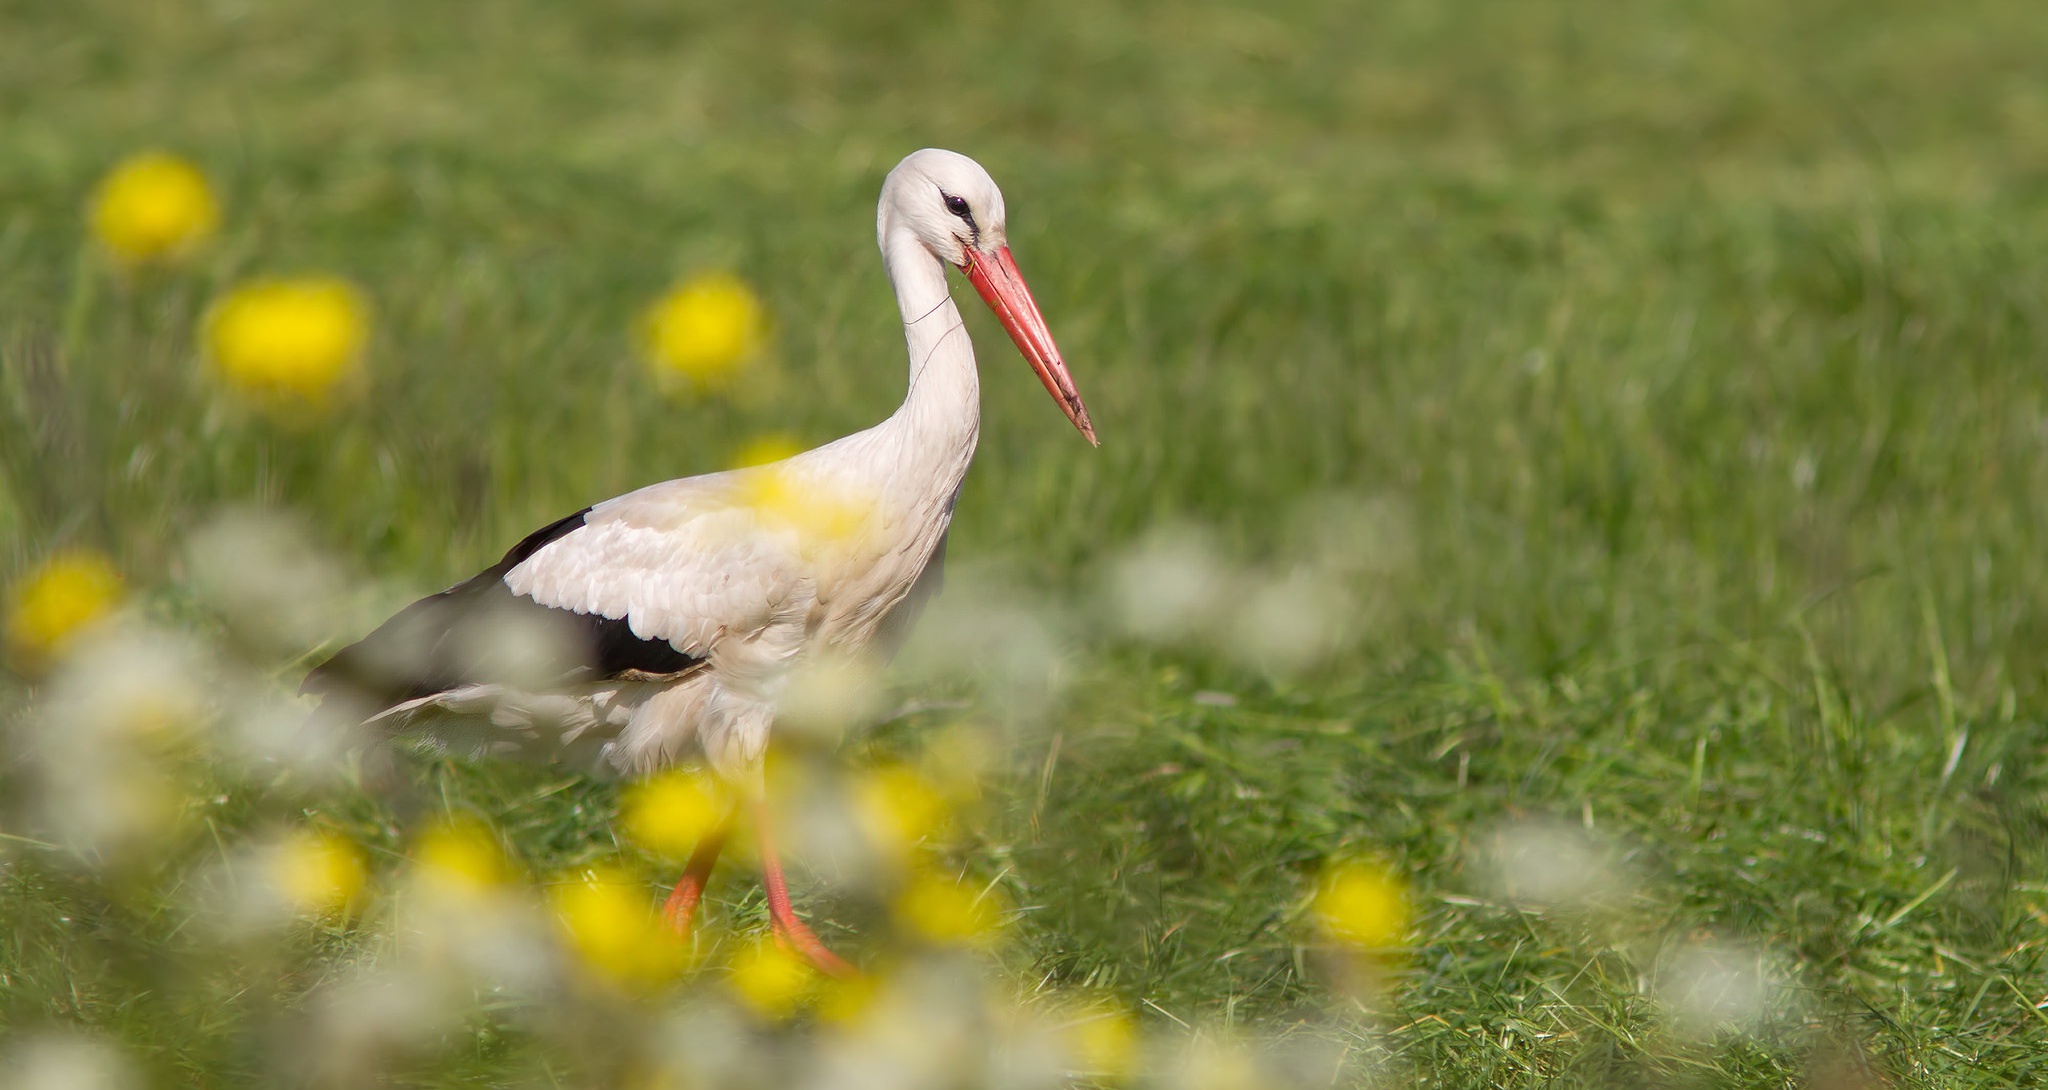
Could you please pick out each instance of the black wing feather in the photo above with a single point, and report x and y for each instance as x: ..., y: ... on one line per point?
x: 427, y: 647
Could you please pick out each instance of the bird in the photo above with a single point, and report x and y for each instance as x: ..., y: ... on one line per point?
x: 662, y: 626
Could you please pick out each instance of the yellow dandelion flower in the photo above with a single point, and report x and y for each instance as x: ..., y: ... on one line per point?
x: 296, y: 342
x: 1363, y: 904
x: 459, y: 858
x: 771, y: 981
x: 782, y: 496
x: 318, y: 872
x: 1104, y: 1045
x: 67, y: 595
x: 670, y: 814
x: 845, y: 1000
x: 942, y: 911
x: 785, y: 495
x: 608, y: 920
x: 765, y: 449
x: 704, y: 332
x: 897, y: 808
x: 153, y: 206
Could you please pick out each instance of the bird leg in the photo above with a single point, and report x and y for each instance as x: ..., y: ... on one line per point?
x: 789, y: 930
x: 682, y: 903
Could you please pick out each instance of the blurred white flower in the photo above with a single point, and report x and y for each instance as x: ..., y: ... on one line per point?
x: 1354, y: 537
x: 1550, y: 864
x: 1708, y: 986
x: 122, y: 705
x: 259, y: 724
x: 360, y: 1024
x: 519, y: 649
x: 981, y: 631
x: 63, y: 1061
x: 1220, y: 1061
x: 261, y: 571
x: 828, y: 695
x: 1291, y: 622
x: 706, y: 1044
x: 1174, y: 587
x: 464, y: 914
x: 1171, y: 587
x: 934, y: 1023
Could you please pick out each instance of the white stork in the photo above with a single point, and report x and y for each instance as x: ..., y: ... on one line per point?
x: 661, y: 626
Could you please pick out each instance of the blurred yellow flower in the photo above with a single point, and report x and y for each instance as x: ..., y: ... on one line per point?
x: 704, y: 332
x: 1363, y: 904
x: 58, y: 600
x: 762, y: 450
x: 817, y: 515
x: 1104, y: 1045
x: 786, y: 495
x: 151, y: 206
x: 770, y: 980
x: 671, y: 813
x: 943, y: 911
x: 318, y: 872
x: 293, y: 342
x: 844, y: 1000
x: 608, y: 919
x: 897, y: 808
x: 460, y: 858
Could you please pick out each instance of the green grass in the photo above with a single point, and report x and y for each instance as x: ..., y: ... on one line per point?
x: 1694, y: 362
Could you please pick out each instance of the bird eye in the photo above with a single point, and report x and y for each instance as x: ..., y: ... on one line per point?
x: 956, y: 205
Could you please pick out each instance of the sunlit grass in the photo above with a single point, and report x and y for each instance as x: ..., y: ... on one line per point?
x: 1646, y: 408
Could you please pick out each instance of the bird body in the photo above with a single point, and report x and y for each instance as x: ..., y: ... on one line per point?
x: 664, y: 624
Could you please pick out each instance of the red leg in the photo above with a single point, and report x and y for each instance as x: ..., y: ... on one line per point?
x: 788, y: 929
x: 682, y: 903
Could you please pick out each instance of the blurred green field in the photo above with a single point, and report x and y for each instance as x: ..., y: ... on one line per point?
x: 1688, y: 365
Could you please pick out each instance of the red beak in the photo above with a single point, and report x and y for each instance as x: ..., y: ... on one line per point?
x: 1001, y: 286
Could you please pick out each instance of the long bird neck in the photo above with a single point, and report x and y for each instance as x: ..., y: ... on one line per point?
x: 941, y: 416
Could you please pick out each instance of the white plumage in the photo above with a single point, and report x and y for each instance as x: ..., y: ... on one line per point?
x: 683, y: 606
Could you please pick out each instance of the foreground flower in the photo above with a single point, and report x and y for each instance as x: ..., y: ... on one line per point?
x: 1103, y: 1043
x: 109, y: 747
x: 64, y: 597
x: 704, y: 332
x: 460, y: 860
x: 1362, y: 904
x: 765, y: 449
x: 289, y: 342
x: 670, y: 814
x: 947, y: 913
x: 609, y: 922
x: 153, y: 206
x: 897, y: 809
x: 786, y: 498
x: 771, y: 981
x: 318, y: 873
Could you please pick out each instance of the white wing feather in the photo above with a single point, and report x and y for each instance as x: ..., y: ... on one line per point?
x: 687, y: 561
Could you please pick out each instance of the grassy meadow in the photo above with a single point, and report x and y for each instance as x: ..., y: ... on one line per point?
x: 1598, y: 452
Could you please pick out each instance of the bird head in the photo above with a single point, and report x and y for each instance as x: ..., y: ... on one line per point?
x: 951, y: 205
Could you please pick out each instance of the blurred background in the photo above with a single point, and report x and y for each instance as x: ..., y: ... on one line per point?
x: 1560, y: 599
